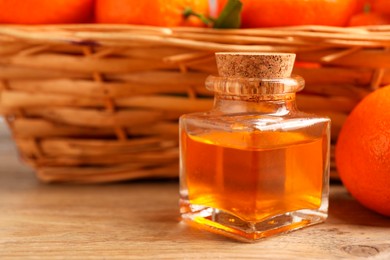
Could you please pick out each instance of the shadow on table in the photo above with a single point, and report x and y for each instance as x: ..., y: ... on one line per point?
x: 344, y: 208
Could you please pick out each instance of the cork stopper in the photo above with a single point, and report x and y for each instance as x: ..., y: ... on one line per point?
x: 255, y: 64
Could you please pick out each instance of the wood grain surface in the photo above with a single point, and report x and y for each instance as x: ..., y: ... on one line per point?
x: 140, y: 220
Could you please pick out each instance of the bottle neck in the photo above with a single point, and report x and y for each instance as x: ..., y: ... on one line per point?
x: 263, y: 104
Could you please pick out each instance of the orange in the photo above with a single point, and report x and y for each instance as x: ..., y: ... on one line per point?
x: 381, y: 6
x: 150, y: 12
x: 272, y: 13
x: 45, y: 11
x: 364, y: 19
x: 361, y: 5
x: 363, y: 152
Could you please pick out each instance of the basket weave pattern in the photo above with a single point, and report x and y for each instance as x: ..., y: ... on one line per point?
x: 99, y: 103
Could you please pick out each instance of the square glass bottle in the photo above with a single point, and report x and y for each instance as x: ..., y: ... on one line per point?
x: 254, y: 165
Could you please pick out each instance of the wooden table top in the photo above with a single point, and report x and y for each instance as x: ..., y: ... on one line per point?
x: 140, y: 220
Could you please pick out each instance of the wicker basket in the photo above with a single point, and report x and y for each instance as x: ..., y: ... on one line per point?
x: 99, y: 103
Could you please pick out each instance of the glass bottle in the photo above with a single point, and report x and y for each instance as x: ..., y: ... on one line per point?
x: 254, y: 165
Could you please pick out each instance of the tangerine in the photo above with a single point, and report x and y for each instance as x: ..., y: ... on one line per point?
x: 45, y: 11
x: 273, y: 13
x: 364, y: 19
x: 381, y: 6
x: 363, y: 152
x: 362, y: 4
x: 150, y: 12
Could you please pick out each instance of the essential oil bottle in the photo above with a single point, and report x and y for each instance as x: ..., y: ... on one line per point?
x: 254, y: 166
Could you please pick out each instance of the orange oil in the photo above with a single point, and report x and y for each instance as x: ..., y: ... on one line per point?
x: 254, y: 175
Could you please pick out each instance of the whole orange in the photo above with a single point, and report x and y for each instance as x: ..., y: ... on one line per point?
x: 361, y: 4
x: 364, y: 19
x: 381, y: 6
x: 273, y: 13
x: 363, y: 152
x: 45, y: 11
x: 150, y: 12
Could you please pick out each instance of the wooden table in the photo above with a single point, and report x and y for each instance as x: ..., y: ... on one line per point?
x: 140, y: 220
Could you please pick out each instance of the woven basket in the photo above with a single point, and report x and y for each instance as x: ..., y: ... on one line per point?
x: 100, y: 103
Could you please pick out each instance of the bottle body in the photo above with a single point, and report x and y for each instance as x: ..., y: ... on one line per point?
x: 253, y: 168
